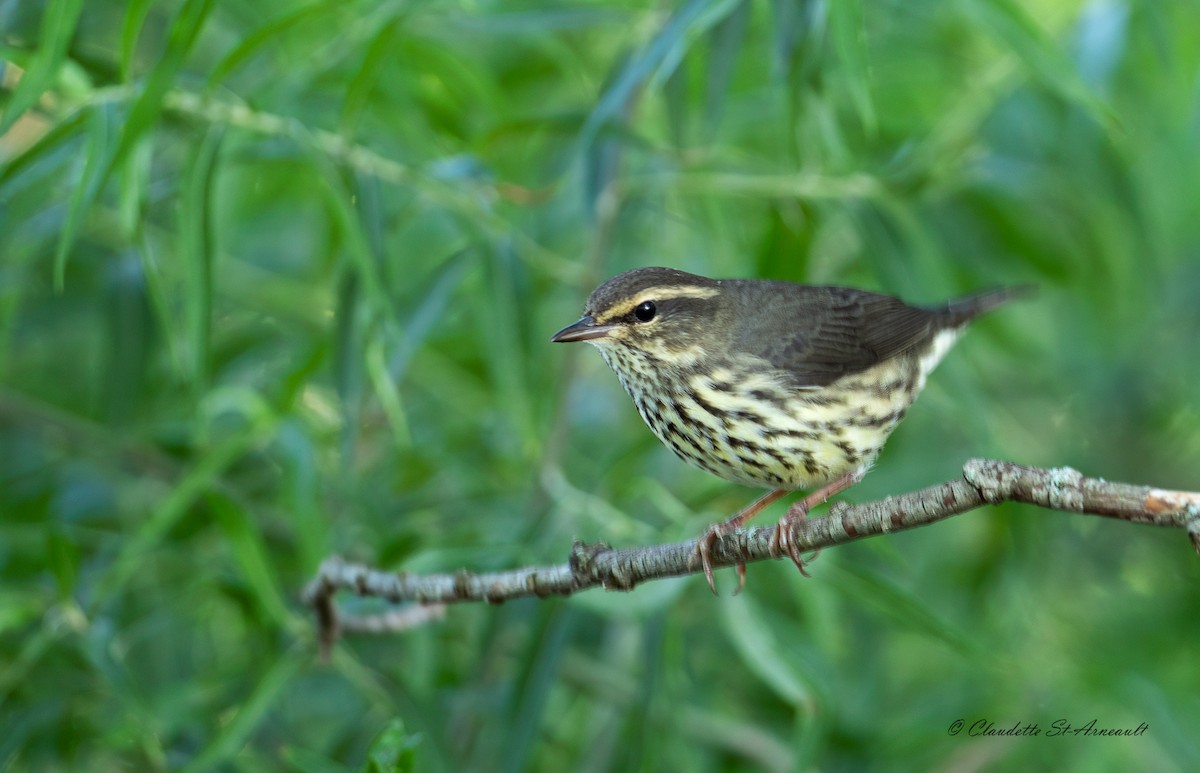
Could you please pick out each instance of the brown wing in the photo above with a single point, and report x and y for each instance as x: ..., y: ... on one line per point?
x: 819, y: 334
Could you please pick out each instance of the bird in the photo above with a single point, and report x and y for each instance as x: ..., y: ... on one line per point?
x: 769, y: 383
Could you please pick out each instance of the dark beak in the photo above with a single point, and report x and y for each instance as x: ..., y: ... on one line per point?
x: 585, y: 329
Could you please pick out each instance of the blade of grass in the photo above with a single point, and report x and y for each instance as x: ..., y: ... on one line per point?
x: 904, y: 608
x: 137, y: 125
x: 507, y: 358
x: 423, y: 319
x: 250, y: 713
x: 133, y: 177
x: 725, y: 45
x: 59, y: 134
x: 59, y: 20
x: 791, y: 22
x: 846, y: 26
x: 196, y: 242
x: 250, y: 552
x: 62, y: 556
x: 347, y: 358
x: 161, y: 301
x: 359, y: 88
x: 714, y: 12
x: 355, y: 235
x: 675, y: 99
x: 537, y: 680
x: 273, y: 30
x: 131, y: 28
x: 84, y: 194
x: 762, y: 653
x: 204, y: 473
x: 1010, y: 25
x: 146, y: 108
x: 299, y: 758
x: 386, y: 392
x: 619, y: 95
x: 34, y: 644
x: 298, y: 460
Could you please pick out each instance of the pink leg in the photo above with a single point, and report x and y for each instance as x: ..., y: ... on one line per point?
x: 780, y: 541
x: 717, y: 530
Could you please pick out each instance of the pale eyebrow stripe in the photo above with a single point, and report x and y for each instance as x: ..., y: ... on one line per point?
x: 657, y: 294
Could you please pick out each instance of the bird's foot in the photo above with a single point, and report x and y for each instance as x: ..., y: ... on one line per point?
x: 704, y: 551
x: 718, y: 530
x: 782, y: 543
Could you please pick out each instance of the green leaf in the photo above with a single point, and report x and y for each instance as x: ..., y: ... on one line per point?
x: 133, y: 179
x: 849, y: 39
x: 394, y: 750
x: 348, y: 357
x: 251, y: 713
x: 435, y: 304
x: 272, y: 31
x: 305, y: 761
x: 83, y: 195
x: 619, y: 95
x: 359, y: 89
x: 355, y: 233
x: 725, y: 45
x: 386, y: 392
x: 59, y: 134
x: 143, y: 115
x: 244, y: 539
x: 762, y: 653
x: 199, y: 477
x: 675, y: 97
x: 196, y: 237
x: 535, y: 684
x: 59, y: 20
x: 1010, y: 24
x: 63, y: 559
x: 904, y: 608
x: 131, y: 28
x: 136, y: 128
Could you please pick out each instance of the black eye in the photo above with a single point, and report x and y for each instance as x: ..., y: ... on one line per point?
x: 645, y: 311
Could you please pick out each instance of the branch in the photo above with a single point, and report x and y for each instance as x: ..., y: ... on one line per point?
x: 983, y: 482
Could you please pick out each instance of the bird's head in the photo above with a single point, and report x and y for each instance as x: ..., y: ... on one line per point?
x: 662, y: 312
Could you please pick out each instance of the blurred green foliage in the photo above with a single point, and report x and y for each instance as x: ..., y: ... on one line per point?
x: 277, y: 278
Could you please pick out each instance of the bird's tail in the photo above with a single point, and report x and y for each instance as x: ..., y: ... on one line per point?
x: 963, y: 310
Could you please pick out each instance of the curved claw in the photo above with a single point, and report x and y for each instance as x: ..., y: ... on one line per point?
x: 704, y: 552
x: 718, y: 530
x: 781, y: 542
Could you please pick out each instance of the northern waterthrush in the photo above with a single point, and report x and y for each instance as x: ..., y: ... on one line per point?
x: 769, y: 383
